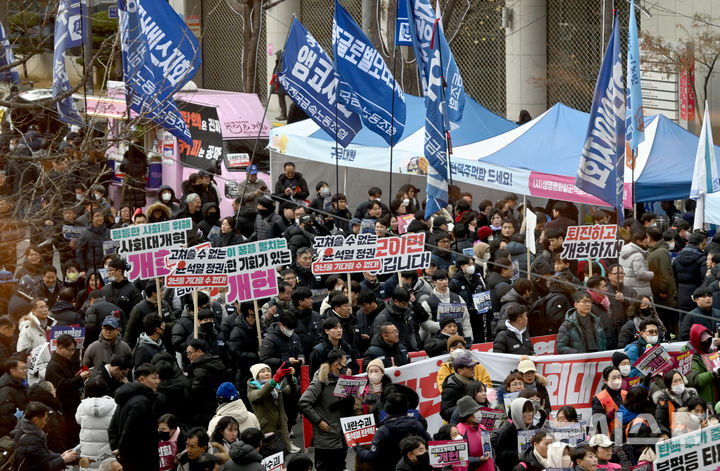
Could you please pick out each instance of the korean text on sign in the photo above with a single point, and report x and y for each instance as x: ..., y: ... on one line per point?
x: 258, y: 255
x: 354, y: 253
x: 198, y: 268
x: 694, y: 451
x: 78, y: 333
x: 153, y: 236
x: 252, y: 285
x: 350, y: 386
x: 358, y: 430
x: 448, y: 453
x: 274, y: 462
x: 591, y: 242
x: 655, y: 361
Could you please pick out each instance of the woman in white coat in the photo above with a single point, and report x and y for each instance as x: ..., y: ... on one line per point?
x: 94, y: 414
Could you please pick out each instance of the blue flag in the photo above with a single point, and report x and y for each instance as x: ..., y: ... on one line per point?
x: 309, y: 80
x: 8, y: 75
x: 602, y: 163
x: 160, y: 55
x: 634, y: 122
x: 423, y: 24
x: 68, y: 33
x: 365, y: 83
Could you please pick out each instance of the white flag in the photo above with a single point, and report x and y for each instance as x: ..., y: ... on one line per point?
x: 530, y: 224
x: 705, y: 175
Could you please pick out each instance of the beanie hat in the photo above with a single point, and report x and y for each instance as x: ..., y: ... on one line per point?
x: 445, y: 320
x: 618, y: 357
x: 255, y: 369
x: 376, y: 362
x: 455, y: 338
x: 483, y: 232
x: 227, y: 391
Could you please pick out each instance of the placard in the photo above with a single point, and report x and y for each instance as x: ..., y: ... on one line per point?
x: 359, y: 429
x: 274, y: 462
x: 491, y: 418
x: 403, y: 222
x: 482, y: 302
x: 367, y: 226
x: 350, y: 386
x: 71, y: 232
x: 207, y: 139
x: 570, y: 433
x: 693, y: 451
x: 507, y: 400
x: 256, y: 284
x: 655, y: 361
x: 150, y: 237
x: 683, y: 360
x: 448, y: 453
x: 78, y: 333
x: 596, y: 241
x: 711, y: 360
x: 525, y: 439
x: 453, y: 310
x: 630, y: 382
x: 199, y: 268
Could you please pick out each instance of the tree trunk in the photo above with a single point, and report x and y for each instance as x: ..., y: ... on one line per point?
x: 251, y: 34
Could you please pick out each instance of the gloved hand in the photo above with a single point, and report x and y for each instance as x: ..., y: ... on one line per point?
x: 280, y: 373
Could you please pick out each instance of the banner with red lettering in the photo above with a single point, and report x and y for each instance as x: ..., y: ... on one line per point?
x: 359, y: 429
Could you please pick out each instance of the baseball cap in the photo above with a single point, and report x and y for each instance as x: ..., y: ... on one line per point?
x: 525, y: 366
x: 305, y: 218
x: 464, y: 361
x: 111, y: 322
x: 600, y: 440
x: 355, y: 221
x: 252, y: 170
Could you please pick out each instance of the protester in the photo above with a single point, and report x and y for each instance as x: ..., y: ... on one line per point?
x: 31, y: 445
x: 94, y: 415
x: 456, y: 347
x: 582, y: 331
x: 471, y: 431
x: 506, y: 442
x: 535, y: 458
x: 607, y: 402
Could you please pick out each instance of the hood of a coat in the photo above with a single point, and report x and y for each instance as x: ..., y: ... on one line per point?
x: 242, y: 453
x: 631, y: 249
x: 127, y: 391
x: 235, y: 409
x: 99, y: 406
x: 516, y: 414
x: 695, y: 331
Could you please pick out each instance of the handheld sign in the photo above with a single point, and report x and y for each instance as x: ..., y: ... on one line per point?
x: 591, y: 242
x: 448, y: 453
x: 274, y: 462
x: 491, y: 418
x: 350, y: 386
x: 655, y: 361
x: 358, y: 430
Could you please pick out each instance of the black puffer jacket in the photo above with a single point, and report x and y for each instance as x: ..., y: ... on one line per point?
x: 308, y: 329
x: 508, y: 342
x: 124, y: 295
x: 89, y: 250
x: 133, y: 428
x: 94, y: 317
x: 278, y: 348
x: 205, y: 375
x: 689, y: 272
x: 64, y: 314
x: 61, y: 373
x: 452, y: 390
x: 206, y: 225
x: 243, y: 346
x: 13, y: 395
x: 384, y: 453
x: 32, y: 451
x: 244, y: 457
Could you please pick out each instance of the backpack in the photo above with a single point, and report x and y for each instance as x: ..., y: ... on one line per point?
x: 543, y: 323
x: 7, y: 453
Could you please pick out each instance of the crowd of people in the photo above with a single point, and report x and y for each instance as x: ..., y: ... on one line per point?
x: 143, y: 391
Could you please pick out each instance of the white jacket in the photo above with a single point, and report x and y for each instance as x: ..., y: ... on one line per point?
x: 94, y: 415
x: 633, y: 259
x: 31, y: 334
x: 237, y: 411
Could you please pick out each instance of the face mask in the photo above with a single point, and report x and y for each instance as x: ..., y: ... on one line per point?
x: 377, y: 199
x: 71, y: 277
x: 375, y: 378
x: 406, y: 202
x: 325, y: 191
x: 288, y: 332
x: 458, y: 352
x: 671, y: 245
x: 166, y: 197
x: 207, y: 327
x: 706, y: 345
x: 12, y: 147
x: 678, y: 389
x: 98, y: 196
x: 423, y: 459
x: 470, y: 269
x: 700, y: 416
x: 615, y: 384
x: 343, y: 370
x: 478, y: 416
x: 624, y: 370
x: 78, y: 196
x: 646, y: 312
x: 164, y: 436
x: 652, y: 340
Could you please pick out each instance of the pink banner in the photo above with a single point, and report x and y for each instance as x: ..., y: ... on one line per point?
x: 563, y: 188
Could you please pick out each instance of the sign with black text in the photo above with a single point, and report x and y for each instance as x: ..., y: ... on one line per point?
x: 207, y: 145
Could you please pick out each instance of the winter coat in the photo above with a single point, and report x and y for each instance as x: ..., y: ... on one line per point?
x: 270, y: 411
x: 308, y: 329
x: 296, y: 181
x: 664, y: 398
x: 319, y: 404
x: 699, y: 377
x: 61, y: 373
x: 13, y: 395
x: 205, y: 375
x: 528, y: 461
x: 571, y: 339
x: 453, y: 389
x: 611, y: 332
x: 689, y: 272
x: 64, y: 314
x: 243, y: 346
x: 172, y: 397
x: 277, y: 348
x: 206, y: 225
x: 506, y: 443
x: 135, y: 320
x: 498, y: 286
x: 237, y: 410
x: 264, y: 225
x: 243, y: 457
x: 124, y: 295
x: 633, y: 259
x: 384, y: 452
x: 403, y: 319
x: 95, y: 315
x: 173, y: 205
x: 94, y: 415
x: 31, y: 334
x: 511, y: 341
x: 42, y: 291
x: 391, y: 355
x: 145, y: 349
x: 511, y: 299
x: 662, y: 284
x: 446, y: 369
x: 133, y: 428
x: 691, y: 319
x: 31, y: 449
x: 320, y: 352
x: 298, y: 238
x: 57, y: 438
x: 89, y: 250
x: 101, y: 351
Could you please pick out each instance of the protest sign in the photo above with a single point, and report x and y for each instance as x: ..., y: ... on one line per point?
x: 628, y: 383
x: 482, y: 302
x: 645, y: 466
x: 683, y: 361
x: 198, y: 268
x: 207, y: 140
x: 591, y: 242
x: 448, y: 453
x: 693, y: 451
x: 570, y: 433
x: 78, y: 333
x: 487, y: 444
x: 110, y: 247
x: 71, y: 232
x: 367, y: 226
x: 350, y: 386
x: 359, y: 429
x: 711, y: 360
x: 403, y: 253
x: 403, y: 222
x: 655, y: 361
x: 251, y: 269
x: 507, y: 400
x: 351, y: 254
x: 148, y: 237
x: 147, y: 265
x: 274, y: 462
x: 453, y: 310
x: 525, y: 439
x: 491, y: 418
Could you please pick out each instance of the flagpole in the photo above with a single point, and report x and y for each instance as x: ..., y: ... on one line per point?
x: 392, y: 117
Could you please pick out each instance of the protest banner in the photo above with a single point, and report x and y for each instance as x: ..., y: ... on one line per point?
x: 655, y: 361
x: 207, y: 140
x: 110, y: 247
x: 482, y: 302
x: 683, y: 361
x: 351, y: 254
x: 642, y: 467
x: 544, y: 345
x: 359, y: 429
x: 591, y: 242
x: 367, y: 226
x: 251, y: 269
x: 350, y: 386
x: 628, y: 383
x: 78, y: 333
x: 158, y: 235
x: 71, y: 232
x: 274, y: 462
x: 693, y: 451
x: 403, y: 253
x: 453, y: 310
x: 491, y: 418
x: 570, y: 433
x: 448, y: 453
x: 193, y: 267
x: 525, y: 440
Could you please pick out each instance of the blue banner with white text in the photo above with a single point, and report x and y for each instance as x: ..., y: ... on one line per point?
x: 160, y: 55
x: 9, y: 75
x: 366, y: 85
x: 68, y: 34
x: 308, y: 78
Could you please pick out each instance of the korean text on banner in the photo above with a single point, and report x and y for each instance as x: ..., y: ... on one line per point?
x: 655, y: 361
x: 596, y: 241
x: 697, y: 451
x: 207, y: 140
x: 78, y: 333
x: 491, y: 418
x: 274, y: 462
x: 192, y: 267
x: 309, y: 80
x: 68, y: 34
x: 448, y: 453
x: 365, y: 83
x: 251, y: 269
x: 602, y: 163
x: 350, y: 386
x: 358, y: 430
x: 683, y: 361
x: 160, y: 55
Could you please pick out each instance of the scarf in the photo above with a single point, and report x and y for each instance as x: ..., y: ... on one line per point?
x: 603, y: 300
x: 259, y: 384
x: 543, y: 461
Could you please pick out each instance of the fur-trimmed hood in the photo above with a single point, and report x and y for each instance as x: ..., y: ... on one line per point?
x: 323, y: 373
x: 157, y: 206
x: 664, y: 395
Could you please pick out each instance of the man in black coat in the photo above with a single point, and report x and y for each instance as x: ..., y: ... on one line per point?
x: 115, y: 373
x: 514, y: 337
x: 7, y: 333
x: 63, y: 311
x: 31, y: 448
x: 96, y: 313
x: 309, y: 323
x: 61, y: 373
x: 133, y: 428
x: 281, y: 344
x: 386, y: 346
x: 89, y: 252
x: 205, y: 374
x: 120, y: 291
x: 457, y: 384
x: 398, y: 313
x: 150, y: 342
x: 243, y: 344
x: 13, y: 394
